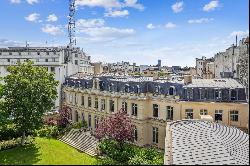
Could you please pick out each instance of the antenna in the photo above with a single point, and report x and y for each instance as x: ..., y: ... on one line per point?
x: 71, y: 23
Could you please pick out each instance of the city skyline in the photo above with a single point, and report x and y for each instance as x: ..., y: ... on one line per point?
x: 131, y: 30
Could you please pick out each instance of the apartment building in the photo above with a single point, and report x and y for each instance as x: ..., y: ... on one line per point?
x: 152, y: 103
x: 60, y: 60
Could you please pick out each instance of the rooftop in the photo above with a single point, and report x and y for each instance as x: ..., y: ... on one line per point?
x: 201, y: 142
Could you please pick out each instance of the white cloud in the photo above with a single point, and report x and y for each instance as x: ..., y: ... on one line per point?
x: 170, y: 25
x: 52, y: 18
x: 52, y: 30
x: 133, y: 4
x: 177, y: 7
x: 90, y: 23
x: 10, y: 43
x: 15, y: 1
x: 107, y: 33
x: 151, y: 26
x: 200, y: 21
x: 31, y: 2
x: 240, y: 34
x: 32, y: 17
x: 117, y: 13
x: 211, y: 6
x: 109, y: 4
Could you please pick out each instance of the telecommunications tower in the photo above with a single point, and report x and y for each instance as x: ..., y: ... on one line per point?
x: 71, y: 23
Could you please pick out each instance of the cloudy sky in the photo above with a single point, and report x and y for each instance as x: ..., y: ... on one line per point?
x: 141, y: 31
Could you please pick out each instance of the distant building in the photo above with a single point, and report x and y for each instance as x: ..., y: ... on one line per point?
x: 205, y: 68
x: 58, y: 60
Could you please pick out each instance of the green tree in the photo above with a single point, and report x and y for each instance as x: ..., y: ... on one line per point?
x: 29, y: 91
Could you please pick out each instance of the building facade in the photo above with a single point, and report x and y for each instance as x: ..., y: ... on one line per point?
x: 152, y: 103
x: 59, y: 60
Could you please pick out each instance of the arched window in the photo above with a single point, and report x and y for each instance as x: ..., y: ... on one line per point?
x: 171, y: 90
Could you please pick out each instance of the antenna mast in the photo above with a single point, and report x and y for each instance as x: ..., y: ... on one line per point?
x: 71, y: 23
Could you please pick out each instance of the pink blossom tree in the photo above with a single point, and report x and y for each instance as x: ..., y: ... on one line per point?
x: 118, y: 127
x: 64, y: 116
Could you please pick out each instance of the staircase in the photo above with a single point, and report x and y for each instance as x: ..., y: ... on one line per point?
x: 80, y: 140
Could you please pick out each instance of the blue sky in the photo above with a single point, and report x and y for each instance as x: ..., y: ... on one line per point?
x: 141, y: 31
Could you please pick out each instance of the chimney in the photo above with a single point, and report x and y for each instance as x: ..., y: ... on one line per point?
x: 187, y: 79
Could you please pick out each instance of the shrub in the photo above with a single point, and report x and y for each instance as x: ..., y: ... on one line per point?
x: 9, y: 132
x: 47, y: 131
x: 108, y: 161
x: 8, y: 144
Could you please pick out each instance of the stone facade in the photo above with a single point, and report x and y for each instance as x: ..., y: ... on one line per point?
x: 149, y: 103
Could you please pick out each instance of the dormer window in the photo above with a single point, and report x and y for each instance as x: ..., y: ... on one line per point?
x: 171, y: 90
x: 157, y: 89
x: 217, y: 94
x: 86, y: 85
x: 95, y: 84
x: 137, y: 89
x: 127, y: 88
x: 233, y: 94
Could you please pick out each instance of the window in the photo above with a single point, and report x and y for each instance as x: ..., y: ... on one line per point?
x: 95, y: 84
x: 218, y: 115
x: 95, y: 121
x: 135, y: 134
x: 103, y: 104
x: 46, y: 60
x: 76, y: 55
x: 96, y: 103
x: 83, y: 119
x: 37, y: 60
x: 217, y: 94
x: 137, y: 89
x: 20, y: 53
x: 155, y: 110
x: 8, y: 60
x: 171, y: 91
x: 234, y: 115
x: 170, y: 112
x: 77, y: 116
x: 155, y: 135
x: 53, y: 69
x: 125, y: 106
x: 157, y: 89
x: 89, y: 101
x: 189, y: 114
x: 134, y: 109
x: 190, y: 94
x: 75, y: 99
x: 10, y: 53
x: 53, y: 59
x: 89, y: 121
x: 82, y: 100
x: 127, y: 88
x: 38, y: 53
x: 47, y: 53
x: 233, y: 94
x: 203, y: 112
x: 70, y: 98
x: 111, y: 105
x: 76, y: 62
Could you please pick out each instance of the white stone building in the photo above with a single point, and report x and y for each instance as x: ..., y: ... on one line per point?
x: 56, y: 59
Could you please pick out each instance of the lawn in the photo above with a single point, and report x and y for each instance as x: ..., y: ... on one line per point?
x: 45, y: 151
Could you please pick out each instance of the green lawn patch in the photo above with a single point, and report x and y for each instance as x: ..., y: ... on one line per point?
x: 46, y: 151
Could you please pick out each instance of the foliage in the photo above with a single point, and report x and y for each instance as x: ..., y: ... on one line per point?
x: 50, y: 122
x: 8, y: 144
x: 79, y: 125
x: 64, y: 116
x: 147, y: 156
x: 46, y: 152
x: 29, y: 91
x: 109, y: 161
x: 130, y: 154
x: 118, y: 127
x: 9, y: 132
x: 47, y: 131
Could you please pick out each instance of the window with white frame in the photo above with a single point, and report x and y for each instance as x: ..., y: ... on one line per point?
x: 189, y: 113
x: 218, y: 115
x: 155, y: 110
x: 111, y: 105
x: 134, y: 109
x: 96, y: 103
x: 155, y: 135
x: 203, y: 112
x: 89, y: 101
x: 103, y: 104
x: 82, y: 100
x: 125, y: 106
x: 234, y: 115
x: 170, y: 112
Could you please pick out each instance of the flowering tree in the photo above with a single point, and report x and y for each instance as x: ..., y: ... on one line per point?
x: 118, y: 127
x: 64, y: 116
x: 50, y: 122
